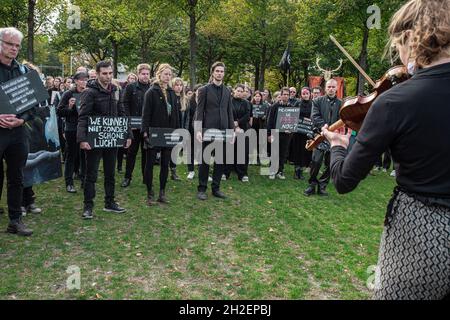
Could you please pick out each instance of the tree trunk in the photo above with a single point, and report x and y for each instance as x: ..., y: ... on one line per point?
x: 193, y: 45
x: 363, y: 61
x: 262, y: 73
x: 115, y: 48
x: 30, y: 22
x: 257, y: 74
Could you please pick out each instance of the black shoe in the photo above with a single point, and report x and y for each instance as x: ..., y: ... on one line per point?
x: 310, y: 191
x: 151, y: 199
x: 19, y: 228
x: 202, y: 196
x: 219, y: 194
x: 88, y: 214
x: 119, y: 170
x: 126, y: 183
x: 174, y: 175
x: 162, y: 197
x: 322, y: 192
x: 114, y: 207
x: 71, y: 189
x: 33, y: 209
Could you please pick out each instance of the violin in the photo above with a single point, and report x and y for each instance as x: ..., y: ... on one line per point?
x: 354, y: 110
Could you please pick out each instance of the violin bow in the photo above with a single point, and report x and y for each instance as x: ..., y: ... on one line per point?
x: 365, y: 75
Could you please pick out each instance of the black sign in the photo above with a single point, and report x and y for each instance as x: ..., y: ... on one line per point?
x: 107, y: 132
x: 22, y: 93
x: 305, y: 126
x: 287, y: 119
x: 217, y: 135
x: 259, y: 110
x: 136, y: 122
x: 164, y: 138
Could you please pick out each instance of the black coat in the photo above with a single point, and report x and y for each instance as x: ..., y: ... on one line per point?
x: 305, y: 108
x: 71, y: 115
x: 96, y: 101
x: 155, y: 113
x: 242, y: 112
x: 213, y: 110
x: 190, y: 114
x: 325, y: 111
x: 133, y: 98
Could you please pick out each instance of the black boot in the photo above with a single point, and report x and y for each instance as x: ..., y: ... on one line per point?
x: 162, y: 197
x: 151, y: 199
x: 321, y: 191
x: 126, y: 183
x: 298, y: 174
x: 174, y: 175
x: 19, y: 228
x: 311, y: 190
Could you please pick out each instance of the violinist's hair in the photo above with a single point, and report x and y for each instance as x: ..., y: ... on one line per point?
x: 427, y: 23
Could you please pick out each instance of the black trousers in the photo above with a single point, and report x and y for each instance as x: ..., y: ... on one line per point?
x: 150, y: 164
x: 240, y: 169
x: 14, y: 149
x: 72, y: 153
x: 120, y: 153
x: 138, y: 140
x: 82, y: 164
x: 386, y: 162
x: 318, y: 158
x: 28, y: 196
x: 285, y: 142
x: 93, y: 158
x: 191, y: 155
x: 203, y: 174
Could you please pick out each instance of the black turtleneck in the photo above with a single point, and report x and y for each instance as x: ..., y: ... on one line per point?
x: 411, y: 120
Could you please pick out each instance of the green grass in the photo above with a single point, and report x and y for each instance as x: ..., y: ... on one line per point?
x: 266, y: 241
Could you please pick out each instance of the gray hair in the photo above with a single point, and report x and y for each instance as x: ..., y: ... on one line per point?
x: 11, y: 32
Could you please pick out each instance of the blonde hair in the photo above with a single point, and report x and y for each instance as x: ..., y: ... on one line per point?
x: 143, y: 66
x: 425, y: 26
x: 183, y: 99
x: 160, y: 70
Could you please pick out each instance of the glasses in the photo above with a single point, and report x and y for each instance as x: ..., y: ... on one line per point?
x: 14, y: 45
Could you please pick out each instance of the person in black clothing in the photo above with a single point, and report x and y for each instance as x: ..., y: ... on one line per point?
x: 293, y: 100
x: 13, y: 140
x: 325, y: 111
x: 189, y: 125
x: 298, y: 153
x: 285, y: 137
x: 258, y: 123
x: 99, y: 99
x: 68, y: 109
x: 160, y: 111
x: 242, y: 113
x: 180, y: 101
x: 412, y: 120
x: 214, y: 111
x: 384, y: 161
x: 133, y: 102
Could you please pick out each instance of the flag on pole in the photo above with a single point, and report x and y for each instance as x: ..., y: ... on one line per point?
x: 285, y: 63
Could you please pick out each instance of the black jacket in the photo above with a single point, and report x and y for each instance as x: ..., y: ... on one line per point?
x: 325, y: 111
x: 190, y: 114
x: 242, y: 111
x: 96, y: 101
x: 155, y: 113
x: 10, y: 72
x: 71, y: 115
x: 215, y: 108
x: 133, y: 98
x: 305, y: 108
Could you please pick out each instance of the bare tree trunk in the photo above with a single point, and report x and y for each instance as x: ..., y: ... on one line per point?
x: 262, y: 73
x: 30, y: 22
x: 115, y: 48
x: 193, y: 45
x: 257, y: 74
x: 363, y: 61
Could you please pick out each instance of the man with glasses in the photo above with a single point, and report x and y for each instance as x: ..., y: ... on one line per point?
x: 13, y: 140
x: 293, y: 101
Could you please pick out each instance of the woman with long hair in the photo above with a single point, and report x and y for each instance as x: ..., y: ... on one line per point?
x: 411, y: 119
x: 160, y: 111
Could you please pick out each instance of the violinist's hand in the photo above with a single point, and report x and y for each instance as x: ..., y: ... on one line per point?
x: 339, y: 138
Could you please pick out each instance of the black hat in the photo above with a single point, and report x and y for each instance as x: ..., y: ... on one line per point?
x: 80, y: 75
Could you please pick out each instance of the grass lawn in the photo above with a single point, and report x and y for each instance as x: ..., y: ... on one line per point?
x: 266, y: 241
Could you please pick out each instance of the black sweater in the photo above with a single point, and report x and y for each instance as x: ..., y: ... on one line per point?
x: 412, y: 120
x: 242, y: 111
